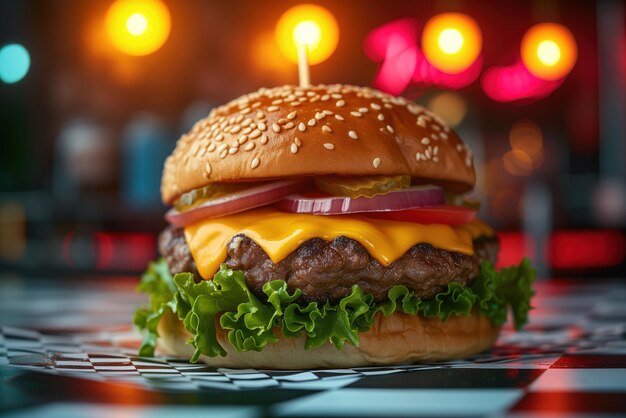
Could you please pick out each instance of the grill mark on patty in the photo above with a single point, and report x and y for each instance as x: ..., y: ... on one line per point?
x: 327, y: 270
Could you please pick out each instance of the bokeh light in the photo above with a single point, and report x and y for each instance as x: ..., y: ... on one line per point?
x: 549, y: 51
x: 450, y: 107
x: 14, y: 63
x: 307, y: 24
x: 452, y: 42
x: 138, y: 27
x: 518, y: 163
x: 527, y: 137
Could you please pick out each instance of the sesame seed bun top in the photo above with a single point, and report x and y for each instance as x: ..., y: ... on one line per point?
x: 320, y: 130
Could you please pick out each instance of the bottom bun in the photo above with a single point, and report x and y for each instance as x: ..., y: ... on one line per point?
x: 397, y: 339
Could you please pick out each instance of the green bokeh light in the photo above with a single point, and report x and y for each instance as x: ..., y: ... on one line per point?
x: 14, y: 63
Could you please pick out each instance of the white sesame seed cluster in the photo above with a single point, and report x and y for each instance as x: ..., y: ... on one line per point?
x: 293, y: 131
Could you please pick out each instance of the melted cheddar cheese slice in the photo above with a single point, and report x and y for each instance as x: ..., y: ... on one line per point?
x: 280, y: 233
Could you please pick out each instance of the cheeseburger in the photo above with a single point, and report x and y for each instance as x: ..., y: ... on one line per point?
x: 325, y: 227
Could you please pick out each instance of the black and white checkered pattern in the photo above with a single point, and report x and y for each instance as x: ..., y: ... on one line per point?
x: 571, y: 358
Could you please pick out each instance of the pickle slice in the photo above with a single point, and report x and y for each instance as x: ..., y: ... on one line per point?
x: 195, y: 197
x: 361, y: 186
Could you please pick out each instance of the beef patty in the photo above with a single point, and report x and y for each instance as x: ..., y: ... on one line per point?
x: 327, y: 270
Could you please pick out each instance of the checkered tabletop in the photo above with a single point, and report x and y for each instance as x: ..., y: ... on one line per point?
x: 569, y: 360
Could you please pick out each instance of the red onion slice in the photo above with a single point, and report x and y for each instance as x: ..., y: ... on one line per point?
x: 414, y: 197
x: 253, y: 197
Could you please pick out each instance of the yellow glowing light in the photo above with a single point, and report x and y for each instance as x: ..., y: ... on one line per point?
x: 307, y: 33
x: 136, y: 24
x: 310, y: 25
x: 549, y: 51
x: 138, y: 27
x: 451, y: 42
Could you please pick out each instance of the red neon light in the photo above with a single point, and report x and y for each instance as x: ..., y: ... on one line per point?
x: 395, y: 46
x: 515, y: 82
x: 586, y: 249
x: 567, y: 249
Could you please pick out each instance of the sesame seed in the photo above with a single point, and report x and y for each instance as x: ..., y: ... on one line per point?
x: 272, y: 108
x: 255, y: 134
x: 320, y: 115
x: 312, y: 122
x: 239, y: 119
x: 302, y: 127
x: 276, y: 128
x: 418, y: 156
x: 207, y: 167
x: 427, y: 153
x: 443, y: 135
x: 413, y: 109
x: 235, y: 129
x: 277, y: 101
x: 375, y: 106
x: 340, y: 103
x: 222, y: 147
x: 435, y: 159
x: 388, y: 105
x: 436, y: 127
x: 325, y: 97
x: 295, y: 103
x: 223, y: 154
x: 257, y: 104
x: 356, y: 114
x: 353, y: 135
x: 249, y: 146
x: 255, y: 163
x: 390, y: 128
x: 329, y: 146
x: 425, y: 141
x: 435, y: 150
x: 294, y: 148
x: 233, y: 151
x: 211, y: 147
x: 291, y: 116
x: 297, y: 141
x: 363, y: 110
x: 242, y: 139
x: 335, y: 96
x: 459, y: 148
x: 339, y: 117
x: 246, y: 122
x: 421, y: 122
x: 381, y: 117
x: 376, y: 162
x: 327, y: 112
x: 264, y: 139
x: 434, y: 136
x: 247, y: 130
x: 282, y: 121
x: 289, y: 125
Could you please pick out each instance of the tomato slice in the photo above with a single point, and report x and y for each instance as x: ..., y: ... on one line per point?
x: 443, y: 214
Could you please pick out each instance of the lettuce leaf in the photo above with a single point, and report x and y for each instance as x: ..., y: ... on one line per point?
x: 251, y: 322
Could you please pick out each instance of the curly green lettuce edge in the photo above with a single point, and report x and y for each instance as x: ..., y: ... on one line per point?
x: 251, y: 322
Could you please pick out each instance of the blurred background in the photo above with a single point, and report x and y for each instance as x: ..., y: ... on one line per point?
x: 94, y: 95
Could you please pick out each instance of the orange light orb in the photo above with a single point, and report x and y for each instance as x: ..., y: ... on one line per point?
x: 451, y: 42
x: 138, y: 27
x: 310, y: 25
x: 549, y: 51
